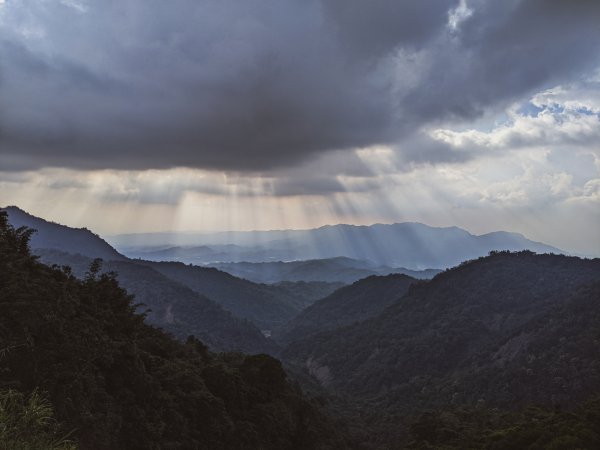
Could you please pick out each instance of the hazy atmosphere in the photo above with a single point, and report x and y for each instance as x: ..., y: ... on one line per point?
x: 299, y: 224
x: 131, y: 116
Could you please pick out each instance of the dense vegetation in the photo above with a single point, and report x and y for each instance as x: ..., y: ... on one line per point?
x: 533, y: 428
x: 265, y: 306
x: 498, y: 353
x: 121, y: 384
x: 160, y: 285
x: 172, y: 306
x: 505, y: 331
x: 362, y: 300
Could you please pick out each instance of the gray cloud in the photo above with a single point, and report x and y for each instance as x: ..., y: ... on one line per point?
x: 505, y: 50
x: 314, y: 185
x: 372, y: 29
x: 421, y: 149
x: 258, y: 85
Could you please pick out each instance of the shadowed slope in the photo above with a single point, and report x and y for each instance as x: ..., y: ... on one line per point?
x: 355, y: 303
x: 265, y: 306
x: 60, y: 237
x: 173, y: 306
x: 121, y: 384
x: 437, y: 330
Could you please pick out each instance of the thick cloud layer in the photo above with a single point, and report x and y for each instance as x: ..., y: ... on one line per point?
x: 255, y: 85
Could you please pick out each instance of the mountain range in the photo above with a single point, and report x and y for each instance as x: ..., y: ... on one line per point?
x: 456, y: 361
x: 410, y: 245
x: 228, y: 313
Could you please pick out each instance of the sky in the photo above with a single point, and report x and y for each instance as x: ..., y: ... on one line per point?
x: 144, y: 115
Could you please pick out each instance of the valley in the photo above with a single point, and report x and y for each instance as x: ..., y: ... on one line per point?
x: 300, y: 225
x: 502, y: 332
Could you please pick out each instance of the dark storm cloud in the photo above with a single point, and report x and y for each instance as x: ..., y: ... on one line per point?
x: 505, y: 50
x: 259, y: 84
x: 370, y: 29
x: 244, y: 85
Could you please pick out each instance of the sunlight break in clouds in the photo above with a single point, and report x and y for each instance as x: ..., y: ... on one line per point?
x: 137, y: 116
x: 458, y: 15
x: 538, y: 167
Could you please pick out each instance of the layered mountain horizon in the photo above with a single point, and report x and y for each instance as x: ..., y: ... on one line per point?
x: 300, y: 225
x: 411, y: 245
x: 386, y: 356
x: 379, y: 248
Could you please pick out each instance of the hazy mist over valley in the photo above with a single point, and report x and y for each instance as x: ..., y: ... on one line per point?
x: 316, y: 225
x: 412, y: 245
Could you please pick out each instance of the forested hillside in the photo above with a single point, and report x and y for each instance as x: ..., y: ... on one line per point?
x: 173, y: 306
x: 360, y: 301
x: 118, y: 383
x: 507, y: 331
x: 226, y: 312
x: 265, y: 306
x: 500, y: 353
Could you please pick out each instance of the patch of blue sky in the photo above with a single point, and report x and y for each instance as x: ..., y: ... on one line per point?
x: 529, y: 110
x: 587, y: 112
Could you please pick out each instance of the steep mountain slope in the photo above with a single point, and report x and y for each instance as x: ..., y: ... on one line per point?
x: 340, y: 269
x: 360, y: 301
x: 551, y: 360
x: 55, y: 236
x: 412, y: 245
x: 455, y: 329
x: 120, y: 384
x: 506, y: 331
x: 173, y: 306
x: 265, y: 306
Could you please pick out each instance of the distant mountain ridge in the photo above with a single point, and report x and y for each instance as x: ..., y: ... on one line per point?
x: 340, y: 269
x: 392, y: 357
x: 411, y: 245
